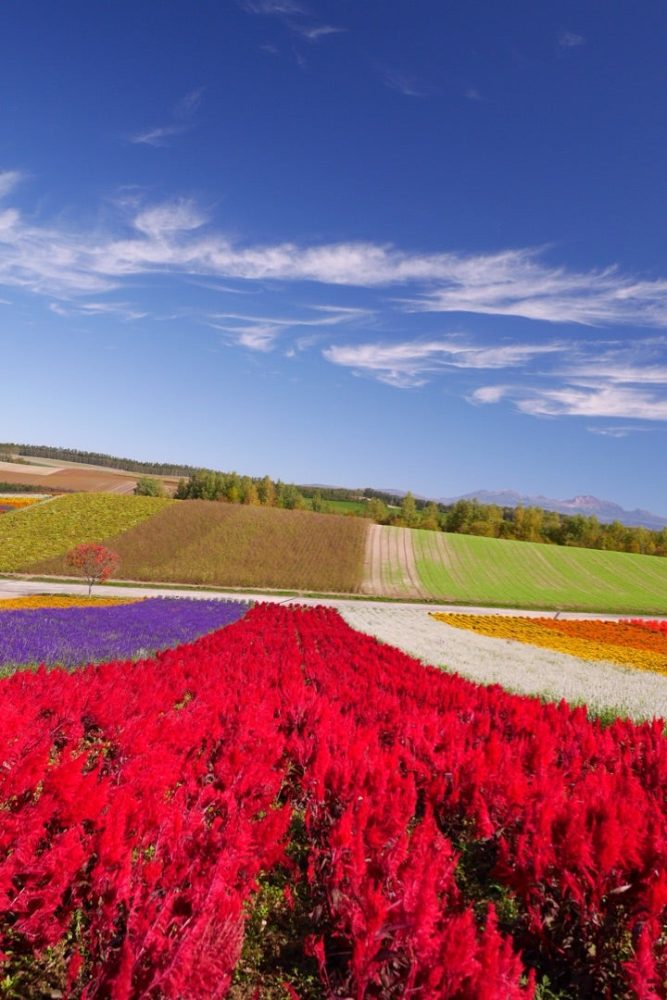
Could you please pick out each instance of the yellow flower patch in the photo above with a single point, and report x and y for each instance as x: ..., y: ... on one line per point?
x: 54, y: 601
x: 535, y: 632
x: 17, y: 503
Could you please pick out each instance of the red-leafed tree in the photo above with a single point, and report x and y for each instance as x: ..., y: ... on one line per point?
x: 95, y: 562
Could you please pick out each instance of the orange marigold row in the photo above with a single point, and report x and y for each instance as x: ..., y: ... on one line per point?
x: 545, y: 633
x: 56, y: 601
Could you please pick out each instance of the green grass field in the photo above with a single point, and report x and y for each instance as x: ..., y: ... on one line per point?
x: 342, y: 507
x: 469, y: 569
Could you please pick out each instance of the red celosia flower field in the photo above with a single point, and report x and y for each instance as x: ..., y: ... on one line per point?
x: 653, y: 625
x: 416, y: 835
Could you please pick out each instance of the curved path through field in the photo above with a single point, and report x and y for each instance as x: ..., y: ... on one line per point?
x: 527, y: 669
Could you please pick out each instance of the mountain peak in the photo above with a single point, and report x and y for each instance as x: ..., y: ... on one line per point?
x: 584, y: 503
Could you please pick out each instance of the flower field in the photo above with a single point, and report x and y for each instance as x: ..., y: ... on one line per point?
x: 9, y: 504
x: 62, y: 601
x: 629, y: 644
x: 84, y: 632
x: 52, y: 528
x: 652, y: 626
x: 288, y: 808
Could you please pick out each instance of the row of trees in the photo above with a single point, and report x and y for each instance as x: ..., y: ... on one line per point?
x: 465, y: 516
x: 531, y: 524
x: 233, y: 488
x: 11, y: 451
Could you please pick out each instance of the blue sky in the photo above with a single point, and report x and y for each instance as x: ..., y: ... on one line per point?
x: 403, y: 244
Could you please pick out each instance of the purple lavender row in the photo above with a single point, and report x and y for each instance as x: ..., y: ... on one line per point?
x: 71, y: 636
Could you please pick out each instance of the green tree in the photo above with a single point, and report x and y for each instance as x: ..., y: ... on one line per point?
x: 149, y: 487
x: 378, y: 510
x: 409, y: 511
x: 460, y: 516
x: 266, y: 492
x: 316, y: 502
x: 249, y: 494
x: 430, y: 517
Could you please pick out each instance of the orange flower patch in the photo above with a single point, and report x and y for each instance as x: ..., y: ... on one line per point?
x: 61, y: 601
x: 615, y: 642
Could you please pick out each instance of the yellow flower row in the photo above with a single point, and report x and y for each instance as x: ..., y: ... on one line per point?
x: 532, y: 632
x: 19, y: 502
x: 52, y: 601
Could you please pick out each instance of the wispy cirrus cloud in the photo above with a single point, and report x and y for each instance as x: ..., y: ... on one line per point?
x: 176, y: 238
x: 555, y: 379
x: 260, y: 333
x: 625, y: 402
x: 9, y: 179
x: 404, y: 83
x: 122, y: 310
x: 274, y: 8
x: 622, y: 381
x: 519, y: 283
x: 570, y: 40
x: 409, y: 364
x: 617, y: 431
x: 181, y: 121
x: 295, y: 16
x: 313, y: 33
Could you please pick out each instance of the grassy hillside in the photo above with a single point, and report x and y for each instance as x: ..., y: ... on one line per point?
x: 52, y: 528
x: 201, y: 542
x: 486, y: 570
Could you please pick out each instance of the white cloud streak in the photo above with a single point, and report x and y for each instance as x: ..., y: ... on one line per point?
x: 260, y: 333
x: 9, y: 179
x: 613, y: 383
x: 570, y: 40
x: 621, y: 431
x: 122, y: 310
x: 182, y: 121
x: 602, y: 400
x: 409, y: 364
x: 314, y: 33
x: 174, y: 238
x: 402, y: 84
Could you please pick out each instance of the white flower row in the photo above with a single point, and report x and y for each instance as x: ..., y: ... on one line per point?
x: 519, y: 667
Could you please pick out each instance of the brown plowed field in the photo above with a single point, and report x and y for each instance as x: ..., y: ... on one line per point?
x: 229, y: 545
x: 390, y: 568
x: 72, y: 480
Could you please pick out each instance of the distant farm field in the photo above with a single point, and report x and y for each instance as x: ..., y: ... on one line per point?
x: 468, y: 569
x: 228, y: 545
x: 52, y: 528
x: 75, y: 477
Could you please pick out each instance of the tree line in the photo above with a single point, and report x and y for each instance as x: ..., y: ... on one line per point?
x: 467, y: 517
x: 97, y: 458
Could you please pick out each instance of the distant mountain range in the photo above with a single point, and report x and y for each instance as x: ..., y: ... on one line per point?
x: 604, y: 510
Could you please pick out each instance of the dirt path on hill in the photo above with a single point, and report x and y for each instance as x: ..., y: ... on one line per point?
x: 372, y: 583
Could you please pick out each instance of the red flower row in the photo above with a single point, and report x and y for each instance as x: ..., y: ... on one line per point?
x: 652, y: 625
x: 447, y: 838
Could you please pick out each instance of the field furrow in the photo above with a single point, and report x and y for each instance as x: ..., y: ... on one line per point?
x: 469, y: 569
